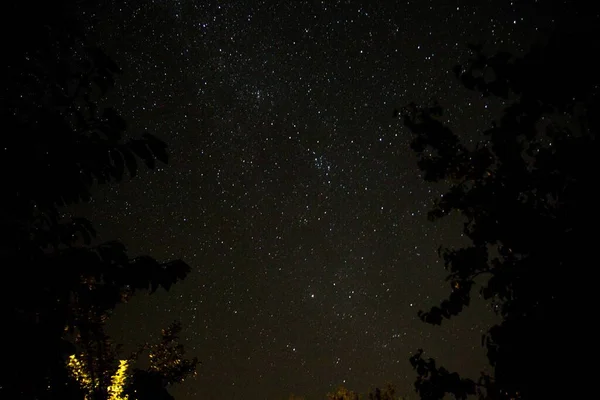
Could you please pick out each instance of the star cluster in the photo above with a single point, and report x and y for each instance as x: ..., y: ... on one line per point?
x: 292, y: 191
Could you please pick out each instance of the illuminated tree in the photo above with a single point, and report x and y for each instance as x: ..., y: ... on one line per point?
x: 81, y: 373
x: 122, y: 380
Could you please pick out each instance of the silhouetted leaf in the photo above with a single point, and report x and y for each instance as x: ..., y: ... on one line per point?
x: 140, y: 148
x: 116, y: 125
x: 157, y: 147
x: 130, y: 161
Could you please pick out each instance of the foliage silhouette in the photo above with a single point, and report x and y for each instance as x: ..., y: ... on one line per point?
x: 57, y: 143
x: 388, y: 393
x: 101, y: 374
x: 526, y: 191
x: 342, y: 393
x: 168, y: 366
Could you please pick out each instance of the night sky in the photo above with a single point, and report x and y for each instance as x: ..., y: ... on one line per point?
x: 292, y: 191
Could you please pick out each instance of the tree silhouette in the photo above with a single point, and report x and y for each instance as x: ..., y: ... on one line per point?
x: 168, y: 366
x: 388, y: 393
x: 527, y: 193
x: 342, y: 393
x: 105, y: 377
x: 58, y: 142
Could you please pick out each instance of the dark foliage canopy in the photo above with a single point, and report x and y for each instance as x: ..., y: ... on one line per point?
x: 527, y: 193
x: 388, y: 392
x: 57, y: 143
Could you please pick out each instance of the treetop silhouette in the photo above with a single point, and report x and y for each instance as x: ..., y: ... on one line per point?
x: 58, y: 142
x: 526, y: 191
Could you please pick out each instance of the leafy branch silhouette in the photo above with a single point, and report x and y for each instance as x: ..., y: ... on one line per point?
x: 58, y: 143
x: 525, y: 192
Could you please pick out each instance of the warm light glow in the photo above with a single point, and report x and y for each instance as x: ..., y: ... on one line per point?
x: 78, y: 371
x: 115, y: 390
x: 81, y: 375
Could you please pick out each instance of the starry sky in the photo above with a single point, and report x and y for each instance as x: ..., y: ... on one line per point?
x: 292, y: 191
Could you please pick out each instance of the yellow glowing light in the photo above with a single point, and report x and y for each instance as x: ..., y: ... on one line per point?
x: 81, y: 375
x: 78, y: 371
x: 115, y: 390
